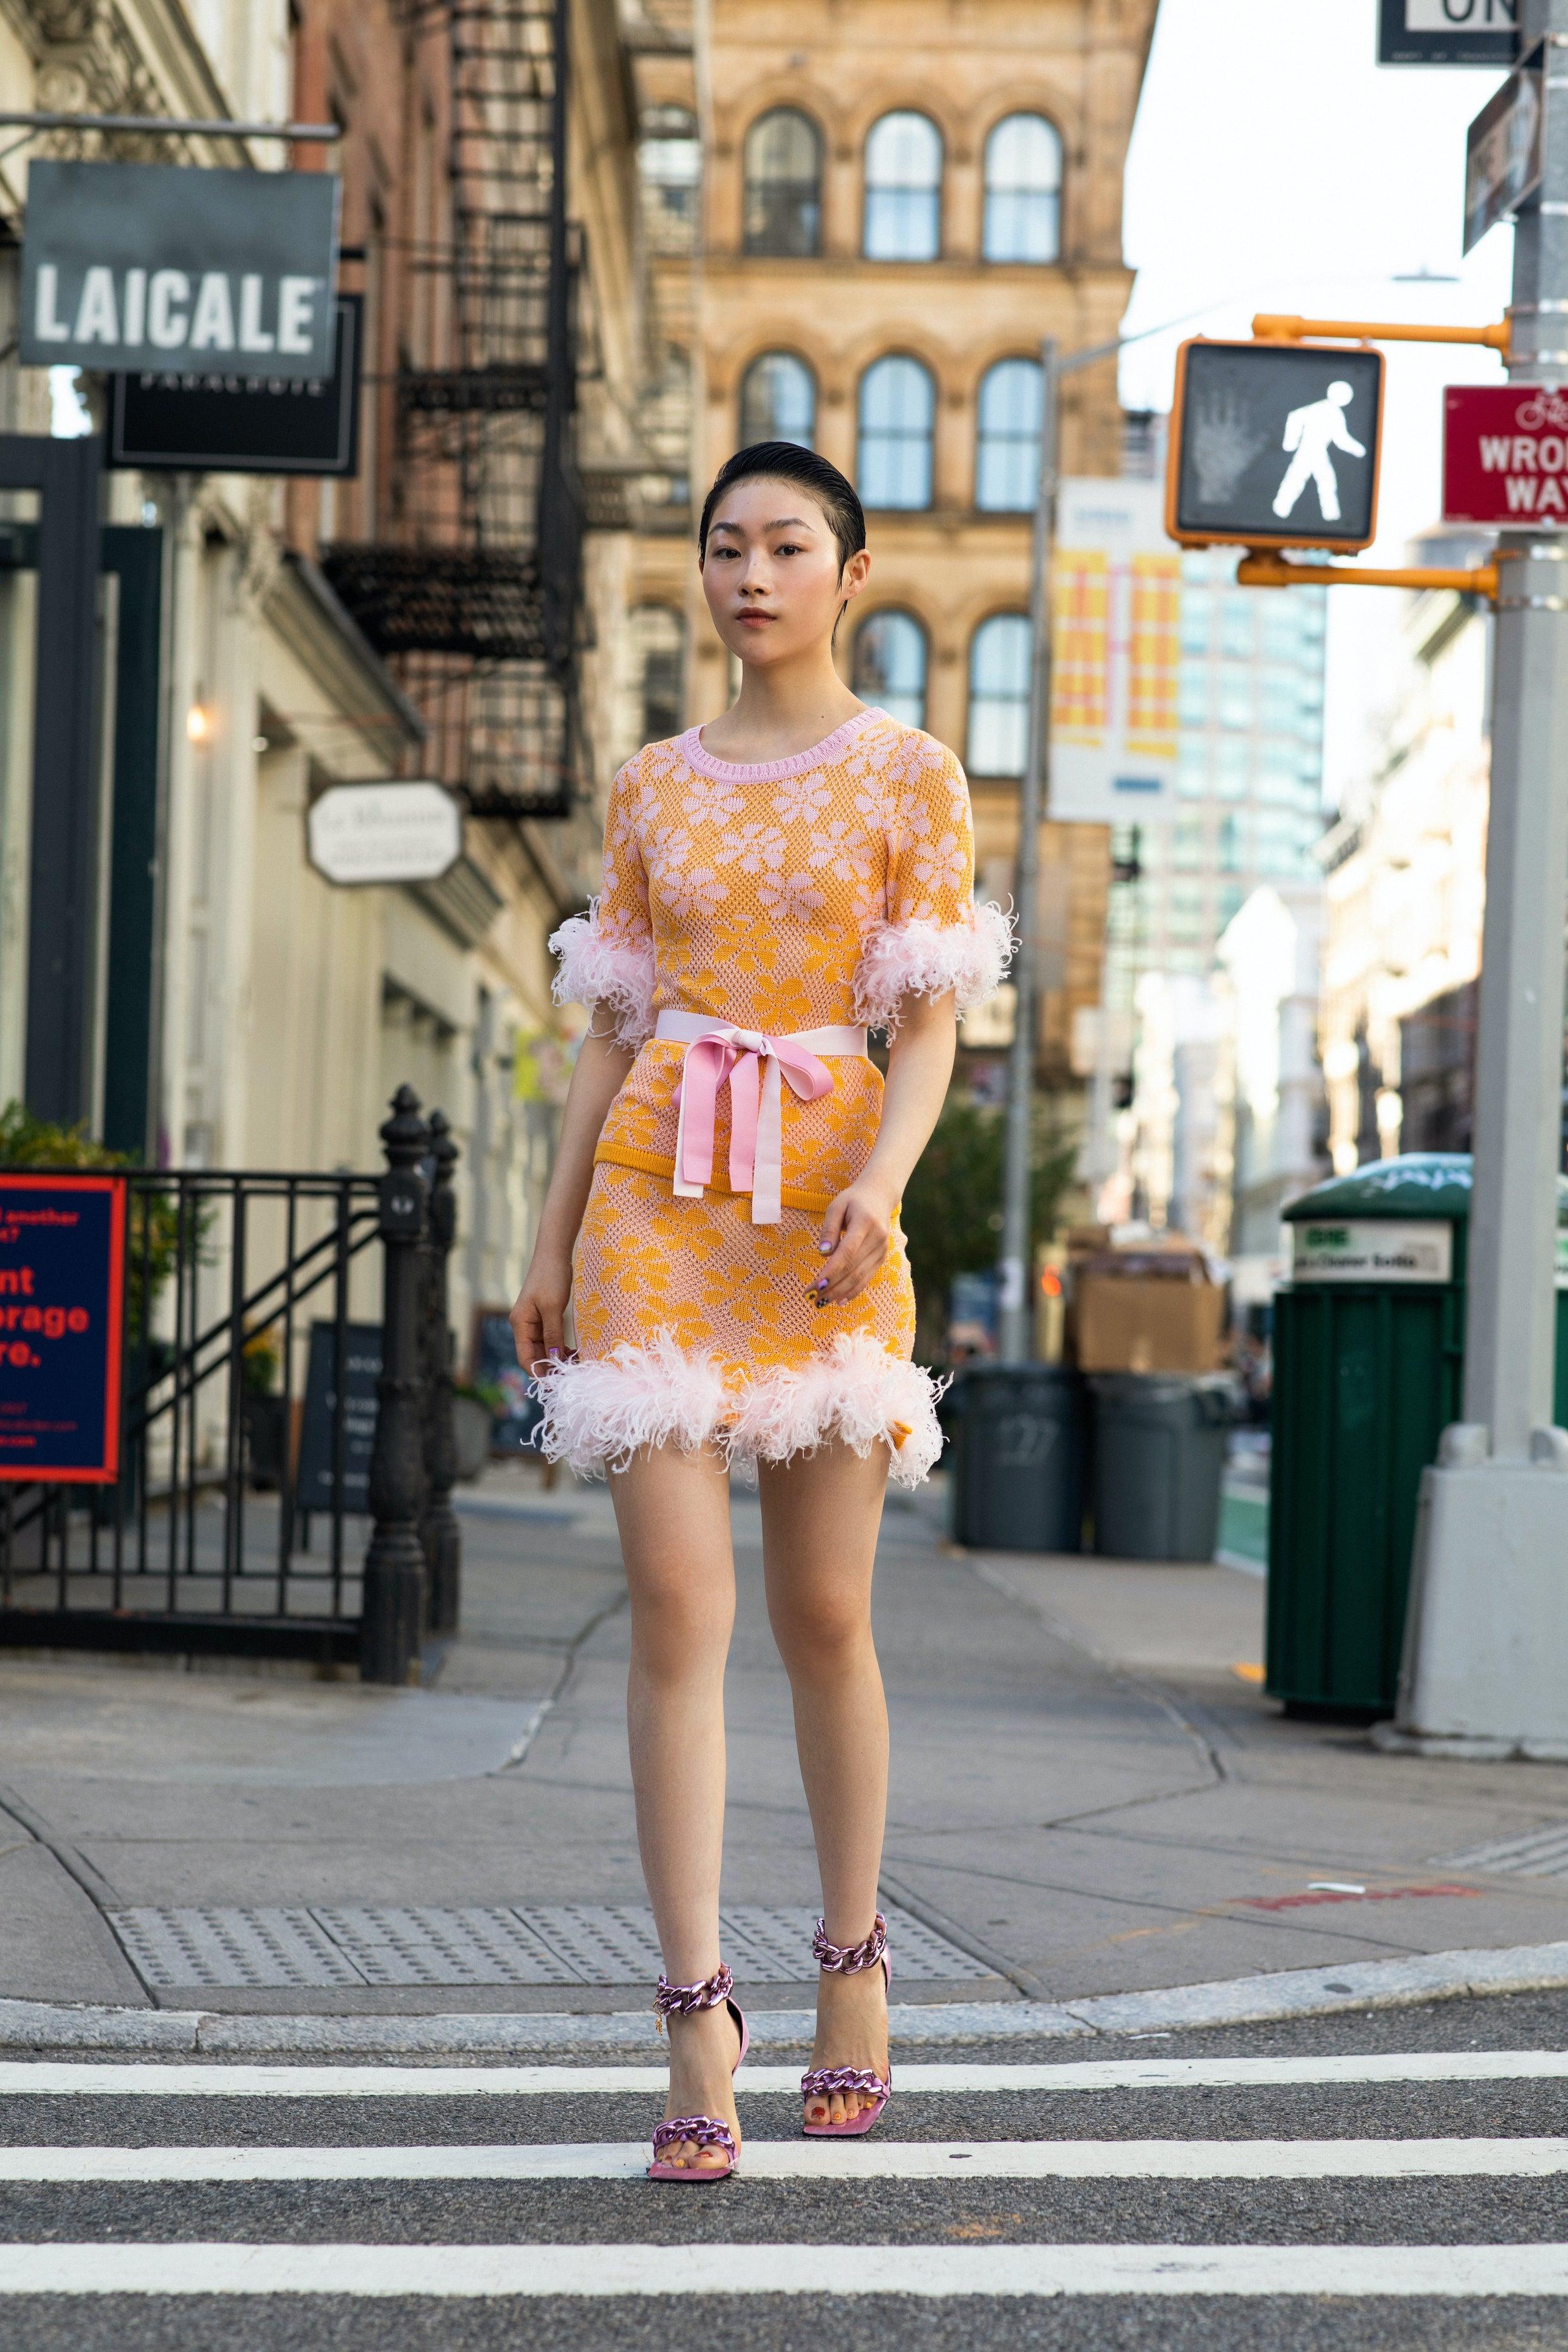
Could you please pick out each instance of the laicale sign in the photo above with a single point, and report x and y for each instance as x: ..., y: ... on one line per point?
x: 127, y: 266
x: 1505, y: 455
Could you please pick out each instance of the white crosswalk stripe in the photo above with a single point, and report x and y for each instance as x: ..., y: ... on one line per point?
x: 1166, y: 2144
x: 882, y: 2159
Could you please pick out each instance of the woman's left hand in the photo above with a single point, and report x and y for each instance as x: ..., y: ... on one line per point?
x: 854, y: 1242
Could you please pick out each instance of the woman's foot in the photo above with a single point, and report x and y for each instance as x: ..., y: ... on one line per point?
x: 703, y: 2050
x: 851, y: 2030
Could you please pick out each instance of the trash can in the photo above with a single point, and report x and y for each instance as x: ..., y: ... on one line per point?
x: 1159, y: 1460
x: 1369, y: 1342
x: 1018, y: 1442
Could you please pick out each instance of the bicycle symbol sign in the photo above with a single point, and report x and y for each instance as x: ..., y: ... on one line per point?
x: 1505, y: 455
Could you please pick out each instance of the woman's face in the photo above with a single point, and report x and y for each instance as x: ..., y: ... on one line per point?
x: 770, y: 572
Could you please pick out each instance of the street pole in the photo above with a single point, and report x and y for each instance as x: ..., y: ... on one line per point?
x: 1016, y: 1334
x: 1485, y: 1670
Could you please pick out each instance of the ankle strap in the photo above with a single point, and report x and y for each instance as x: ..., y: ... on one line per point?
x: 685, y: 2001
x: 848, y: 1959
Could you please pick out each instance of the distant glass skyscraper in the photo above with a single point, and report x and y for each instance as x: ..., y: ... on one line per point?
x: 1250, y: 775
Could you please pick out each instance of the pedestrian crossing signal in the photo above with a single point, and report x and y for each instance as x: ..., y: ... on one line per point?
x: 1274, y: 444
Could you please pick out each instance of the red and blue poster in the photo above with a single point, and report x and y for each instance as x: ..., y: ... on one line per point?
x: 62, y: 1263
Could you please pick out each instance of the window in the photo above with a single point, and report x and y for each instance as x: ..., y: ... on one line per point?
x: 1008, y: 461
x: 778, y: 400
x: 1191, y: 770
x: 999, y: 695
x: 903, y: 189
x: 898, y: 404
x: 889, y: 668
x: 1229, y: 846
x: 784, y: 183
x: 1232, y: 768
x: 1236, y: 698
x: 659, y: 641
x: 1194, y: 621
x: 1187, y: 848
x: 1236, y: 625
x: 1282, y: 701
x: 670, y: 158
x: 1192, y: 696
x: 1022, y: 190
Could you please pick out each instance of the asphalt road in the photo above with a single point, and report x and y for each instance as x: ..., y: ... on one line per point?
x: 1294, y: 2187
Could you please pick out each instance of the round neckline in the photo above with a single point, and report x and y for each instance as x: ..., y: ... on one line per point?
x: 797, y: 763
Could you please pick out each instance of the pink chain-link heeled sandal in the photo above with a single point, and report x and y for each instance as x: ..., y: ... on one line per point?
x: 848, y: 1959
x: 702, y: 2131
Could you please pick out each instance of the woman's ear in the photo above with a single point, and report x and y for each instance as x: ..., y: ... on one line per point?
x: 857, y: 572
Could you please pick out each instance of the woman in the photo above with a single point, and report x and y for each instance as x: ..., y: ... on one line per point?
x: 723, y: 1213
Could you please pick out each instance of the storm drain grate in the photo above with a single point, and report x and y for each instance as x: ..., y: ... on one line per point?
x: 361, y: 1944
x: 1543, y: 1854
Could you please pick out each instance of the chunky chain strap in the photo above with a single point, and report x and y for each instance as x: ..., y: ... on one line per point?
x: 822, y: 2080
x: 685, y: 2001
x: 702, y: 2131
x: 848, y: 1959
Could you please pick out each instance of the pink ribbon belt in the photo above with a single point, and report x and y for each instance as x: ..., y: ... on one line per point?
x: 754, y: 1067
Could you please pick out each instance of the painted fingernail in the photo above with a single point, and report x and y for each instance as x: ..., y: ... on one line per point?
x: 826, y: 1248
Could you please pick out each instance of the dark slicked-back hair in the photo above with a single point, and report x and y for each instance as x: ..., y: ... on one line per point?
x: 786, y: 461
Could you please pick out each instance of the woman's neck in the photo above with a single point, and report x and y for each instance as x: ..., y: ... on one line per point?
x: 782, y: 710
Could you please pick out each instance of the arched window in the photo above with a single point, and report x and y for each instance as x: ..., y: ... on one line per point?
x: 898, y: 404
x: 1008, y: 455
x: 784, y: 183
x: 1022, y: 190
x: 778, y: 400
x: 658, y: 640
x: 670, y: 158
x: 903, y: 189
x: 998, y: 695
x: 889, y: 665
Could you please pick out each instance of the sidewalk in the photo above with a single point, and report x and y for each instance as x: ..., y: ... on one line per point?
x: 1090, y: 1794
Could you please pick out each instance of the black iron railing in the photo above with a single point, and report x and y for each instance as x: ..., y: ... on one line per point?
x: 284, y: 1397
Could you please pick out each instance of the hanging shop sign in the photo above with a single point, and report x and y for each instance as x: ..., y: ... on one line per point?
x: 1116, y: 612
x: 385, y: 833
x: 62, y: 1260
x: 1505, y: 455
x: 190, y: 421
x: 1448, y: 32
x: 127, y: 266
x: 1274, y: 444
x: 1503, y: 148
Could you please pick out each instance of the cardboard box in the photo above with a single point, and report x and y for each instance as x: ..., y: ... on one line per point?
x: 1148, y: 1310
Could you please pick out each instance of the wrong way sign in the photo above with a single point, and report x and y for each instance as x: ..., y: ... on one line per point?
x: 1505, y: 455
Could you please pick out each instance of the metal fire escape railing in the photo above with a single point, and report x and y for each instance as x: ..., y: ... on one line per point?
x: 475, y: 596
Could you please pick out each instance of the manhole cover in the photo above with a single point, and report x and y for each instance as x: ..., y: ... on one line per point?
x: 433, y: 1944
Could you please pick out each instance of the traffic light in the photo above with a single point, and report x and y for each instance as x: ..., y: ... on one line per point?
x: 1274, y: 444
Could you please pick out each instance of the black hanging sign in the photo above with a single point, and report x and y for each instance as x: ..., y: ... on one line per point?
x: 1447, y: 33
x: 193, y: 424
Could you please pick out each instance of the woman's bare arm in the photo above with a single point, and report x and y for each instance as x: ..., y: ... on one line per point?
x: 855, y: 1229
x: 539, y: 1317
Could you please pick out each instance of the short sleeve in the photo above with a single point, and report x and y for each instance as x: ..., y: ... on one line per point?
x: 606, y: 956
x: 935, y: 941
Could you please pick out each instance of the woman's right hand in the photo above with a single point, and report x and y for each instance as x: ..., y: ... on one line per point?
x: 539, y: 1318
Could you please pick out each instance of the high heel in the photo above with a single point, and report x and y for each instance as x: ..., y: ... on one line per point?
x: 702, y: 2131
x: 848, y: 1959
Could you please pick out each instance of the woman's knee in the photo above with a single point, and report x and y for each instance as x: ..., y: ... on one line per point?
x: 821, y: 1631
x: 679, y: 1622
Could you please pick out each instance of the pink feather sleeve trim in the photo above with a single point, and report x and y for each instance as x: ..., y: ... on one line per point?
x: 601, y: 1411
x: 918, y: 958
x: 597, y: 971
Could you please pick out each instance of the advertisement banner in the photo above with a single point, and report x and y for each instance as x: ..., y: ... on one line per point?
x: 134, y: 266
x: 1116, y: 649
x: 62, y: 1260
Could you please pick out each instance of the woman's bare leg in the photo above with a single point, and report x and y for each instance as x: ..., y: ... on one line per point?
x: 673, y: 1513
x: 821, y: 1514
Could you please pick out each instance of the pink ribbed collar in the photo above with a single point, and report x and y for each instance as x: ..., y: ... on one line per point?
x: 764, y: 771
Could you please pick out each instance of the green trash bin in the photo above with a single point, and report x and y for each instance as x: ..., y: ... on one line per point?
x: 1369, y: 1341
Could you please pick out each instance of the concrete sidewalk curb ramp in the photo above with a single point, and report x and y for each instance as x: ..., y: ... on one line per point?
x: 1237, y: 2000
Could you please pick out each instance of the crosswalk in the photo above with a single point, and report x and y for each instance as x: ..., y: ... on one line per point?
x: 1347, y: 2178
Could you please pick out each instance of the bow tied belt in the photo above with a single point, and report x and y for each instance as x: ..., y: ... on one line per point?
x: 755, y: 1067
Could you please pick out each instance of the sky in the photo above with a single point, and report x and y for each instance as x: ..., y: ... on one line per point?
x: 1276, y: 166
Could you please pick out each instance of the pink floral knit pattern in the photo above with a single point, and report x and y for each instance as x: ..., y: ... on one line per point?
x: 821, y: 889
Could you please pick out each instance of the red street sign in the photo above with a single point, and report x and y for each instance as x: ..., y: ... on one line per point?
x: 1505, y: 455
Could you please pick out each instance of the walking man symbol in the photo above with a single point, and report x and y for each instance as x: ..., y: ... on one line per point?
x: 1311, y: 433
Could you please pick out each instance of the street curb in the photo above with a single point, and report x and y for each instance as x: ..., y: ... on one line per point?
x: 1235, y: 2000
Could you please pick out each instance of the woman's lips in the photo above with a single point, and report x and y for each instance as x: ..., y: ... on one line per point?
x: 756, y: 620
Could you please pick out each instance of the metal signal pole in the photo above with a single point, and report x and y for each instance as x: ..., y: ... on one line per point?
x: 1485, y: 1670
x: 1015, y: 1333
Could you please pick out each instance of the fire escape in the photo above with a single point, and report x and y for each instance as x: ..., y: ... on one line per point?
x: 475, y: 596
